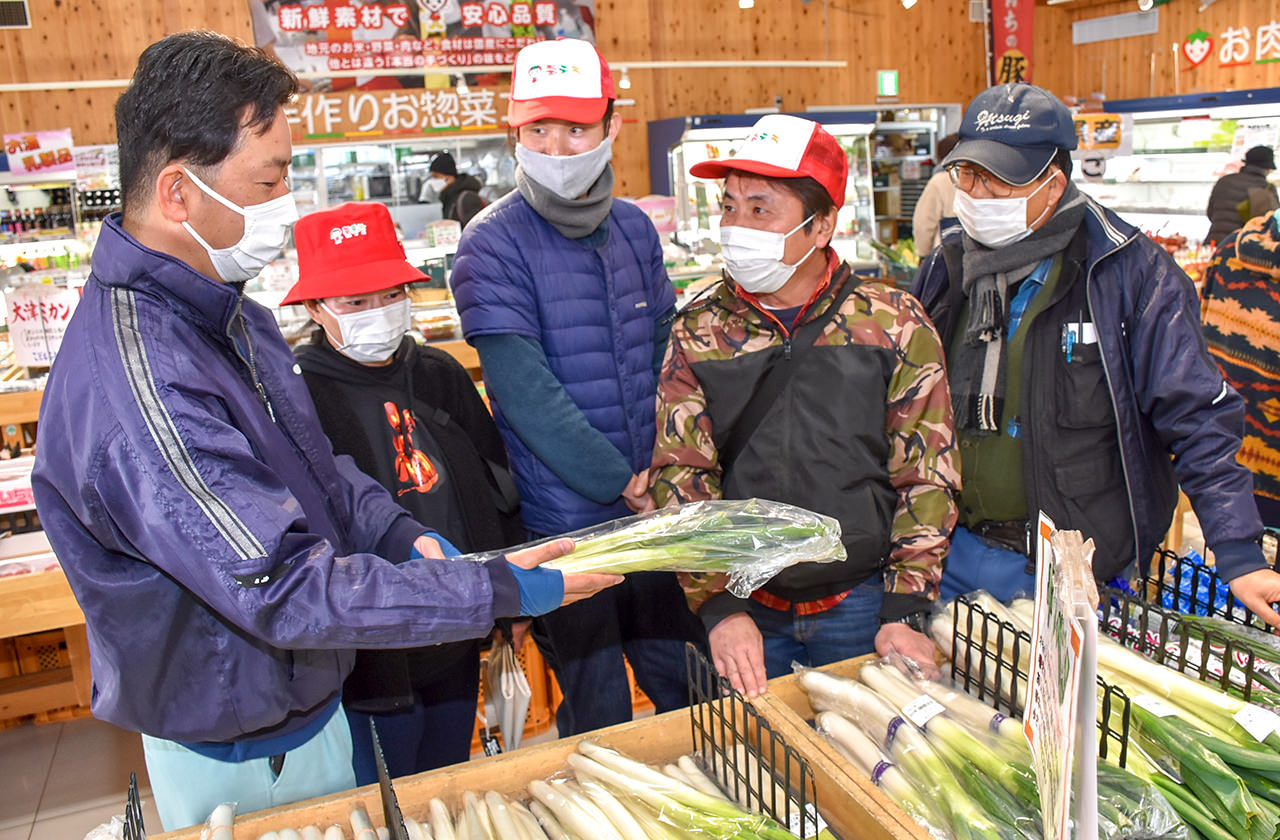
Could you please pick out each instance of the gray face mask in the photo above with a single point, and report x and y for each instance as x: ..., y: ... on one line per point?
x: 568, y: 176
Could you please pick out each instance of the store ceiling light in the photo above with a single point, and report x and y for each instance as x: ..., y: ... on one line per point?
x: 746, y: 4
x: 625, y: 81
x: 907, y: 4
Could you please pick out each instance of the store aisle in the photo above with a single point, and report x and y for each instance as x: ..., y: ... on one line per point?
x: 59, y: 780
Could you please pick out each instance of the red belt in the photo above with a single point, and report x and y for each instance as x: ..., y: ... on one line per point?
x: 773, y: 602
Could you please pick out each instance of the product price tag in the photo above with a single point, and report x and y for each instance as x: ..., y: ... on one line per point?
x: 1155, y: 705
x: 813, y: 820
x: 922, y: 709
x: 1257, y: 721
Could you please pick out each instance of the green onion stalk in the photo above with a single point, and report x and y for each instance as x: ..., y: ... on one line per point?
x: 750, y: 540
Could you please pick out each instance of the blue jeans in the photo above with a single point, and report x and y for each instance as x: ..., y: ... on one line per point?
x: 846, y: 630
x: 973, y: 564
x: 434, y: 732
x: 188, y: 786
x: 646, y: 618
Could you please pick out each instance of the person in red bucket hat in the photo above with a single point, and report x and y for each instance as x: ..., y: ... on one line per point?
x: 412, y: 419
x: 795, y: 380
x: 563, y: 293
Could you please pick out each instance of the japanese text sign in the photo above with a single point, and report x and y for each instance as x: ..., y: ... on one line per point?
x: 1011, y: 39
x: 37, y: 315
x: 40, y: 152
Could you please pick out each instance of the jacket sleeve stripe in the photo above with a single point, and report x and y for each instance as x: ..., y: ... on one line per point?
x: 138, y: 374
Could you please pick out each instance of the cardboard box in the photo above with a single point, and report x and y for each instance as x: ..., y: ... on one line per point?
x: 850, y: 812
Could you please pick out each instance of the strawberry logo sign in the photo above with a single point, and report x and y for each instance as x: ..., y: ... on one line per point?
x: 1197, y: 47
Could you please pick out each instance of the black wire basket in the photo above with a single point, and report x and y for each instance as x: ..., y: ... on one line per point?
x: 775, y: 779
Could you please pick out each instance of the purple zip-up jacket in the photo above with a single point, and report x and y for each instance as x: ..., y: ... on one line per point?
x: 226, y: 562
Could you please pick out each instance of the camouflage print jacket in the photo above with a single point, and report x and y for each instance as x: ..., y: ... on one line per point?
x: 862, y: 431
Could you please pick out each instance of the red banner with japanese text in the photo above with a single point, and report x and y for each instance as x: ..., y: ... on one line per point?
x: 1011, y: 38
x: 315, y: 36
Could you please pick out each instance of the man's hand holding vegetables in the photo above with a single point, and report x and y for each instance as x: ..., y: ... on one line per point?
x: 1259, y: 590
x: 859, y: 429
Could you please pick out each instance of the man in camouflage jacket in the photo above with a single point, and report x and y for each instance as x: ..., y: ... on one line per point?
x: 861, y: 429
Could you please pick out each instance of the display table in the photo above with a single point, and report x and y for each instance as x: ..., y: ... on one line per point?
x: 33, y: 603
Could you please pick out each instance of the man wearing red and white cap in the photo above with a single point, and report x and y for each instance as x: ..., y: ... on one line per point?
x: 563, y: 293
x: 797, y: 381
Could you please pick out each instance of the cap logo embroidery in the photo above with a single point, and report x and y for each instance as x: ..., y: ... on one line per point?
x: 989, y: 121
x: 762, y: 135
x: 536, y: 71
x: 345, y: 232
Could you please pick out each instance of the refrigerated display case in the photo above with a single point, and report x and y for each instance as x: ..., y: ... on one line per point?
x: 678, y: 143
x: 395, y: 172
x: 1174, y: 149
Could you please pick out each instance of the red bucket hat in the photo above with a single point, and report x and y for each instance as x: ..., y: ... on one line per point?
x: 565, y: 79
x: 783, y: 146
x: 350, y: 249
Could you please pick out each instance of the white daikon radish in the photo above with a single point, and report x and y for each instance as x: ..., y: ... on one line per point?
x: 441, y: 821
x: 698, y: 778
x: 416, y: 830
x: 504, y: 824
x: 270, y: 835
x: 335, y: 832
x: 289, y: 834
x: 527, y: 821
x: 618, y: 816
x: 361, y: 825
x: 310, y: 832
x: 547, y: 819
x: 568, y: 812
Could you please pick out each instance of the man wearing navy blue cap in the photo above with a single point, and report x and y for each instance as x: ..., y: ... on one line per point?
x: 1079, y: 374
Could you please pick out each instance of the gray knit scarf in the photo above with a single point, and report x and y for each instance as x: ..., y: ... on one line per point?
x: 576, y: 217
x: 978, y: 366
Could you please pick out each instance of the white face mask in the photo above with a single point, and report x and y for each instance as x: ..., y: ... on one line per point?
x: 567, y: 176
x: 996, y: 222
x: 437, y: 184
x: 266, y: 230
x: 754, y: 257
x: 373, y: 335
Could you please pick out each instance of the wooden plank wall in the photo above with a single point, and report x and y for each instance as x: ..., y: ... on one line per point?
x: 937, y: 51
x: 1122, y: 68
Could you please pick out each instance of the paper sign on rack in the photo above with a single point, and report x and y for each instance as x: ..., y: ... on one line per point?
x: 1061, y: 691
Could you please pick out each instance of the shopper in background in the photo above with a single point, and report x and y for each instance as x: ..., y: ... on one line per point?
x: 1240, y: 307
x: 1240, y: 196
x: 459, y: 194
x: 227, y: 563
x: 1079, y: 374
x: 563, y: 293
x: 412, y: 419
x: 799, y: 382
x: 934, y: 204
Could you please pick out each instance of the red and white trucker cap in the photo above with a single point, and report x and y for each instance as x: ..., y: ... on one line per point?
x: 783, y: 146
x: 565, y: 79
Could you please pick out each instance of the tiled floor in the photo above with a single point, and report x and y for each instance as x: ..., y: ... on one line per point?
x: 60, y: 780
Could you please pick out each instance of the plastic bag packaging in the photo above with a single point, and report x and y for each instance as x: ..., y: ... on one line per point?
x: 1132, y: 809
x: 976, y: 804
x: 218, y: 826
x: 507, y: 693
x: 750, y: 540
x: 111, y: 830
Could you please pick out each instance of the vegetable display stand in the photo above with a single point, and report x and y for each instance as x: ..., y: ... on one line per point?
x: 786, y: 708
x: 734, y: 743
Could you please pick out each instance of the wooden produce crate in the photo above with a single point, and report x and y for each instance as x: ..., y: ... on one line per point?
x: 50, y: 676
x: 850, y: 812
x: 786, y: 708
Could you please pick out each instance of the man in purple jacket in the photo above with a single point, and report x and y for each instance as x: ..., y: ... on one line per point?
x: 227, y: 563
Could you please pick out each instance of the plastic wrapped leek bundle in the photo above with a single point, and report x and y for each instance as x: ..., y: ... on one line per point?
x: 750, y: 540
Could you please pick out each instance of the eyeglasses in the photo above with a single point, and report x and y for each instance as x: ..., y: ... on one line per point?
x: 966, y: 177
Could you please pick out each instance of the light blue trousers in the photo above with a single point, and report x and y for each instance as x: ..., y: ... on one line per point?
x: 187, y: 786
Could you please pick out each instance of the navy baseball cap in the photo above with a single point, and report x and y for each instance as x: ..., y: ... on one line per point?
x: 1014, y: 131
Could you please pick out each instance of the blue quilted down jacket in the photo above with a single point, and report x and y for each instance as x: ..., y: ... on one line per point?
x: 593, y: 311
